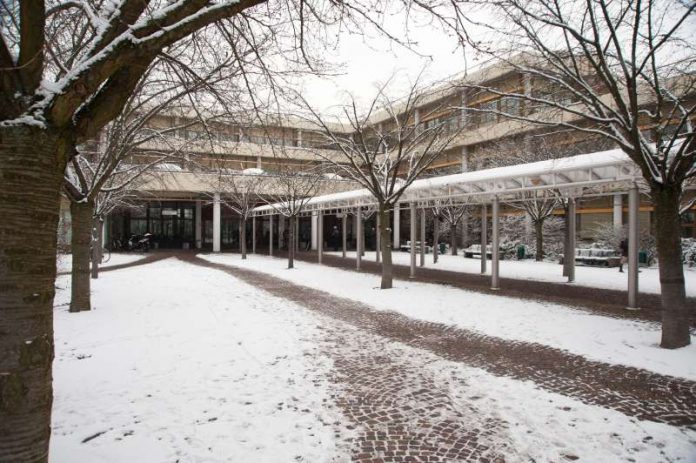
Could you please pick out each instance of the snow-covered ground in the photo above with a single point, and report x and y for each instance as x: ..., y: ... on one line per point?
x: 597, y: 277
x: 182, y: 363
x: 616, y: 341
x: 65, y: 260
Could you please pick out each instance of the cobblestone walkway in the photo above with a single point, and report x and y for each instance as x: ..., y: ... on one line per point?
x: 631, y: 391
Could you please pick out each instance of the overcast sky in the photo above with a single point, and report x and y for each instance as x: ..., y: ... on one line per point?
x: 371, y: 59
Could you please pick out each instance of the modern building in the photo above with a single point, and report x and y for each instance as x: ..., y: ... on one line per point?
x: 183, y: 204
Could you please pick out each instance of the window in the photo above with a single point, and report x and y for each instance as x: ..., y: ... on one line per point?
x: 486, y: 116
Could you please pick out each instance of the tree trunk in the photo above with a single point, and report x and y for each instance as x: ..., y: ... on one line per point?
x: 436, y: 236
x: 539, y: 235
x: 32, y: 162
x: 675, y: 316
x: 453, y: 238
x: 386, y: 244
x: 291, y: 245
x: 97, y: 245
x: 242, y: 237
x: 81, y: 217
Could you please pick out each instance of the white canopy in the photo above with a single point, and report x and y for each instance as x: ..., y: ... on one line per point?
x: 603, y: 172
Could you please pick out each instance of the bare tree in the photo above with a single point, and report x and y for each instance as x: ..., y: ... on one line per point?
x: 622, y: 71
x: 451, y: 212
x: 384, y: 149
x: 239, y: 192
x: 66, y: 70
x: 290, y: 188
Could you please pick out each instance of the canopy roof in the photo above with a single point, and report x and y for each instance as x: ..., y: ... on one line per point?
x: 602, y: 172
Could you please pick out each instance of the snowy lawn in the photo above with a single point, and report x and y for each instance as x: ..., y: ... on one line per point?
x: 182, y: 363
x: 65, y: 260
x: 596, y: 277
x: 596, y: 337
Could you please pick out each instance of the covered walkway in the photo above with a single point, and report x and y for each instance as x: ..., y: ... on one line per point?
x: 583, y: 176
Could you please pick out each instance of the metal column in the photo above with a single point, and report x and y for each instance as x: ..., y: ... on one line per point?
x: 396, y: 241
x: 494, y: 245
x: 253, y: 235
x: 344, y: 232
x: 320, y: 236
x: 358, y: 242
x: 572, y: 231
x: 422, y: 237
x: 199, y: 224
x: 378, y: 238
x: 412, y: 248
x: 633, y: 204
x: 484, y: 237
x: 270, y: 235
x: 216, y: 222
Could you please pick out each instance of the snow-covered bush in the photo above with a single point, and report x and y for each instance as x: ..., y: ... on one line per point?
x: 689, y: 251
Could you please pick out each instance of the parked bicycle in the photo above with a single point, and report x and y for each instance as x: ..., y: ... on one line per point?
x: 105, y: 254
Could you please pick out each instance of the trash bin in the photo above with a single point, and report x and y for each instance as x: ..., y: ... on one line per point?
x: 443, y: 248
x: 521, y: 252
x: 643, y: 257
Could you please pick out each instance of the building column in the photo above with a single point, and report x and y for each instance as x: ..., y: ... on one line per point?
x: 270, y: 235
x: 105, y: 235
x: 199, y: 224
x: 618, y: 211
x: 344, y: 233
x: 320, y: 236
x: 313, y: 231
x: 216, y: 222
x: 253, y: 235
x: 359, y: 236
x: 378, y: 239
x: 281, y: 231
x: 465, y: 159
x: 633, y: 205
x: 397, y: 227
x: 412, y: 236
x: 484, y: 237
x: 297, y: 233
x: 422, y: 237
x: 495, y: 257
x: 572, y: 234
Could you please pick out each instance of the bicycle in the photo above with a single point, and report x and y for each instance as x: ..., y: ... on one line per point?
x: 105, y: 255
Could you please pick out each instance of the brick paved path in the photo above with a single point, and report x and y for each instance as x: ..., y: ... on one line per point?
x: 632, y: 391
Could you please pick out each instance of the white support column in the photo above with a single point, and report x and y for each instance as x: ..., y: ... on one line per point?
x: 320, y: 236
x: 422, y: 237
x: 259, y: 165
x: 344, y: 233
x: 281, y: 231
x: 270, y: 235
x: 297, y: 233
x: 359, y: 236
x: 313, y: 231
x: 216, y: 222
x: 572, y: 233
x: 495, y: 263
x: 299, y: 137
x: 396, y: 245
x: 253, y: 235
x: 633, y: 204
x: 378, y: 257
x: 465, y: 159
x: 199, y: 224
x: 618, y: 211
x: 105, y: 236
x: 484, y: 237
x: 412, y: 236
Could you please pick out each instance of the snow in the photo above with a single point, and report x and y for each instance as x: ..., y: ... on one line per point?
x: 580, y: 163
x: 181, y: 363
x: 594, y: 277
x: 184, y: 363
x: 64, y: 261
x: 253, y: 171
x: 615, y: 341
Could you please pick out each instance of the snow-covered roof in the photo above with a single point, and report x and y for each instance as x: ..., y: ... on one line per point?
x: 603, y: 172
